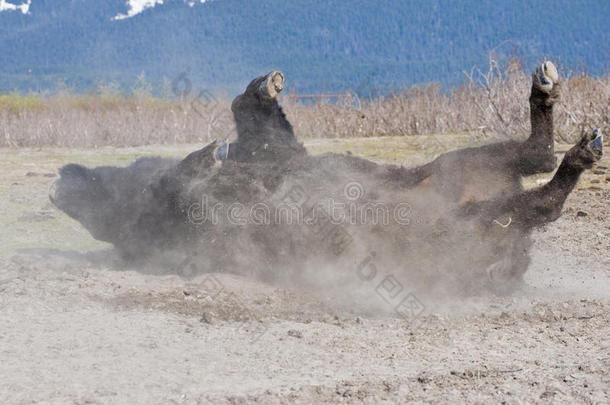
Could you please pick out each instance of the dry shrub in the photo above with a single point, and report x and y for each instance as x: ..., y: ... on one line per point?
x: 94, y: 120
x: 494, y: 102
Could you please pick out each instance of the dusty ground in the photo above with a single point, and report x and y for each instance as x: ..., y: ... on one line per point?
x: 78, y: 327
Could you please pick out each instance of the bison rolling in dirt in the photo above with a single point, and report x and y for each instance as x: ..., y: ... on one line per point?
x: 263, y: 206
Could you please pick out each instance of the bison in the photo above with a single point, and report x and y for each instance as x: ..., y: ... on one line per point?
x: 263, y: 206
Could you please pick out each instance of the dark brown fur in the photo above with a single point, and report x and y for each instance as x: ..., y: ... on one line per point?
x: 470, y: 218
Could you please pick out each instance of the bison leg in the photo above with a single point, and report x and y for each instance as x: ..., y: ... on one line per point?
x: 542, y: 205
x: 504, y: 224
x: 481, y: 173
x: 263, y: 132
x: 537, y: 154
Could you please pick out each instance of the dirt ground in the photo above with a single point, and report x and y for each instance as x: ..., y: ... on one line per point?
x: 77, y: 327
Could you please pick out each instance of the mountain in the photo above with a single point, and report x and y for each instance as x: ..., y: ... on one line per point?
x: 321, y: 45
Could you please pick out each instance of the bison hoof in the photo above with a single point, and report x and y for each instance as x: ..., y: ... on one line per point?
x: 545, y: 77
x: 273, y: 84
x: 586, y: 152
x: 597, y: 142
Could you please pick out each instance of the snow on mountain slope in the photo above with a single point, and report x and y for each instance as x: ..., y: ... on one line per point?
x: 6, y: 6
x: 137, y: 6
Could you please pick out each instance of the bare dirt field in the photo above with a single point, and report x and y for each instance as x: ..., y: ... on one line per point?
x: 77, y: 326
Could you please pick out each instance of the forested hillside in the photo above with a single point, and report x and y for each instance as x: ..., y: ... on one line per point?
x: 319, y: 44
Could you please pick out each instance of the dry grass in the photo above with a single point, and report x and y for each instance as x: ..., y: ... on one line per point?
x: 494, y: 102
x: 68, y: 119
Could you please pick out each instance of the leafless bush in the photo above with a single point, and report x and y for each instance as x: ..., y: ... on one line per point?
x: 492, y: 102
x: 96, y: 120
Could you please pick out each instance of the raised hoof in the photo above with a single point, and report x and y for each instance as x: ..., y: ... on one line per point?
x: 586, y: 152
x: 545, y: 77
x: 597, y: 144
x: 272, y: 85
